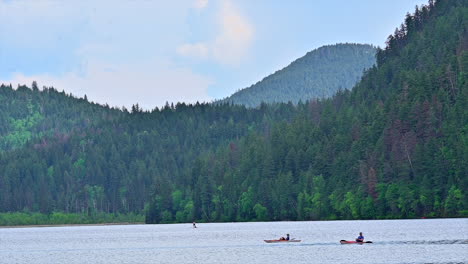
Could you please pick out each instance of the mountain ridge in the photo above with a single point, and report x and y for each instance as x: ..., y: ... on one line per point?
x: 320, y: 73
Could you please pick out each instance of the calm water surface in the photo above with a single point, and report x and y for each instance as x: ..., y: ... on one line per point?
x: 395, y: 241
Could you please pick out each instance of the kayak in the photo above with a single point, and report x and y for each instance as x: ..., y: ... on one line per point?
x: 353, y: 242
x: 281, y: 241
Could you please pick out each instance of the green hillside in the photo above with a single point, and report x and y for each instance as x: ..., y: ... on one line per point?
x: 318, y: 74
x: 395, y: 146
x: 64, y: 154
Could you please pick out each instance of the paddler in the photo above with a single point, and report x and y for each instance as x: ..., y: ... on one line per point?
x: 360, y: 238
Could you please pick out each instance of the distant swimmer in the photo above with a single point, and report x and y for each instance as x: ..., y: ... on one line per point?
x: 194, y: 225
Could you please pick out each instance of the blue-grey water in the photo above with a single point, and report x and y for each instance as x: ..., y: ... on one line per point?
x: 395, y: 241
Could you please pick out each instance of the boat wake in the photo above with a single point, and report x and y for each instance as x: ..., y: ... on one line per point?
x: 429, y: 242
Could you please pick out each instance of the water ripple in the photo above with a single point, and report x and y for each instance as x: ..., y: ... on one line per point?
x: 429, y: 242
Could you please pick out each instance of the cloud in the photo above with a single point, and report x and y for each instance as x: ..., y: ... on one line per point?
x: 232, y: 42
x: 89, y: 49
x: 193, y: 50
x: 200, y: 4
x: 236, y: 35
x: 124, y: 85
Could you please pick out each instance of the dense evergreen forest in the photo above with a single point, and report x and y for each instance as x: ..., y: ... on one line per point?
x: 64, y: 154
x: 395, y: 146
x: 318, y: 74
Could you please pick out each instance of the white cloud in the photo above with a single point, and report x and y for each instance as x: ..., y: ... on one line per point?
x: 200, y: 4
x: 124, y: 85
x: 118, y: 53
x: 232, y: 43
x: 236, y: 35
x: 193, y: 50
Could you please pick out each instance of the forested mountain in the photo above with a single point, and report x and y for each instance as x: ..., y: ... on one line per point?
x: 27, y: 114
x: 61, y: 153
x: 395, y: 146
x: 318, y: 74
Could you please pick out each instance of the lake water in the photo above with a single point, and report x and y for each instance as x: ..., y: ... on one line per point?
x: 395, y: 241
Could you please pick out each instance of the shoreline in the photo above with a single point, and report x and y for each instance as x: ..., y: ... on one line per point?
x: 143, y: 223
x: 67, y: 225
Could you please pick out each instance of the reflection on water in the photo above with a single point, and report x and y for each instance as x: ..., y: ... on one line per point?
x: 395, y: 241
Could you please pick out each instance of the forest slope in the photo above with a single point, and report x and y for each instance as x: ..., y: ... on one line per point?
x: 393, y: 147
x: 318, y: 74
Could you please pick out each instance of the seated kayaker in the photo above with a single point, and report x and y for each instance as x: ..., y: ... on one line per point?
x: 287, y: 237
x: 360, y: 238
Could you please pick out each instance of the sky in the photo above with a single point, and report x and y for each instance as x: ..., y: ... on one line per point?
x: 150, y: 52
